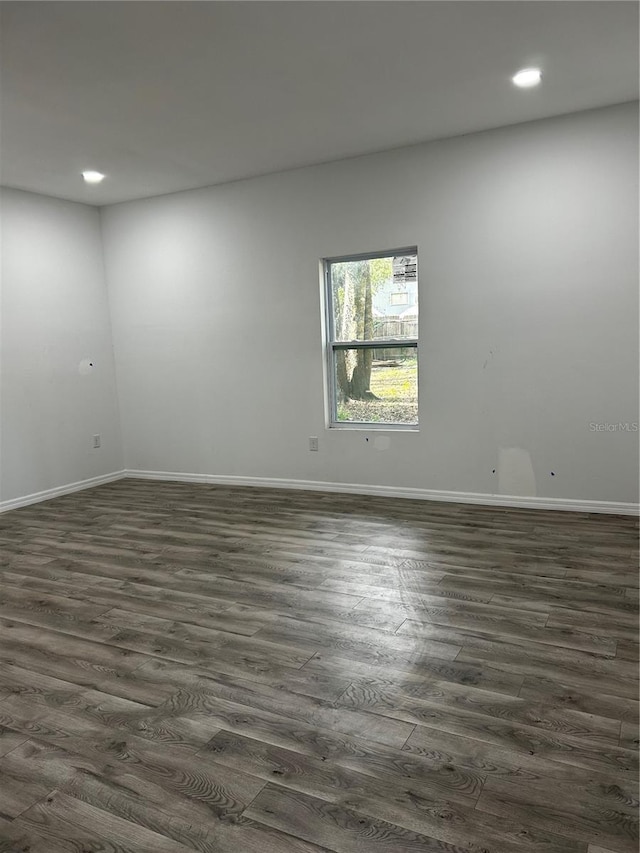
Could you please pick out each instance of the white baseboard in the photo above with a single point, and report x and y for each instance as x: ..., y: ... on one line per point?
x: 48, y: 494
x: 515, y: 501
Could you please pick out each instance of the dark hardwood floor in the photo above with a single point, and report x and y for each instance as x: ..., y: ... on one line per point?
x: 190, y: 667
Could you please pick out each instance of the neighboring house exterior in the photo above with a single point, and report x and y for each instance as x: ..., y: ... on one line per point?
x: 395, y: 312
x: 393, y: 300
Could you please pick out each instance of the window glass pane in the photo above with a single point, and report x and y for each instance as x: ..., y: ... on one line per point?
x: 375, y: 298
x: 376, y: 385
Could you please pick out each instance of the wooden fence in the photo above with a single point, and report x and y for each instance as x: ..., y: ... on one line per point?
x: 393, y: 327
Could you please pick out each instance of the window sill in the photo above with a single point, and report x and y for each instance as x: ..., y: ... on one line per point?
x: 366, y: 427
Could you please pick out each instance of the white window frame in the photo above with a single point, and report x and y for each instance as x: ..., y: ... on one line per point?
x: 332, y: 345
x: 395, y: 302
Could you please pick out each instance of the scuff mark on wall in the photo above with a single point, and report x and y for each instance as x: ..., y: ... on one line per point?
x: 488, y: 358
x: 515, y: 472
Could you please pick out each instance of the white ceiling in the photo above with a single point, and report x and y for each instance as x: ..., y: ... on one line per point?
x: 164, y: 96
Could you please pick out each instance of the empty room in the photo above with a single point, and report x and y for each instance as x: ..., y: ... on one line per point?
x: 319, y: 427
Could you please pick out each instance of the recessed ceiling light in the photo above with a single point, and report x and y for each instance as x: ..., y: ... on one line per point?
x: 527, y: 77
x: 92, y: 177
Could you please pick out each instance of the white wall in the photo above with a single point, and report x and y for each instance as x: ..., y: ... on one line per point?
x: 54, y: 317
x: 528, y: 247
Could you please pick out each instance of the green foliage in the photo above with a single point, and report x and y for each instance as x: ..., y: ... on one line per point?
x: 380, y: 271
x: 396, y: 386
x: 399, y: 383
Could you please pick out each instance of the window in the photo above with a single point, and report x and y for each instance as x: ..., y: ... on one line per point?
x: 399, y: 298
x: 372, y: 350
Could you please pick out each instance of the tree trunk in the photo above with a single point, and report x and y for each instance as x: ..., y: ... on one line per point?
x: 342, y: 378
x: 361, y: 379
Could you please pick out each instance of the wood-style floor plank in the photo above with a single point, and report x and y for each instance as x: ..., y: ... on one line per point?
x: 235, y: 670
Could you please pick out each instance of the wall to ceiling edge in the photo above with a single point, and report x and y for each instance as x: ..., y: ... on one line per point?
x: 528, y: 362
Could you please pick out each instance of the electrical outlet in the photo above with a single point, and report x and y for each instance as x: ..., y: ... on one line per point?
x: 313, y: 442
x: 96, y: 442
